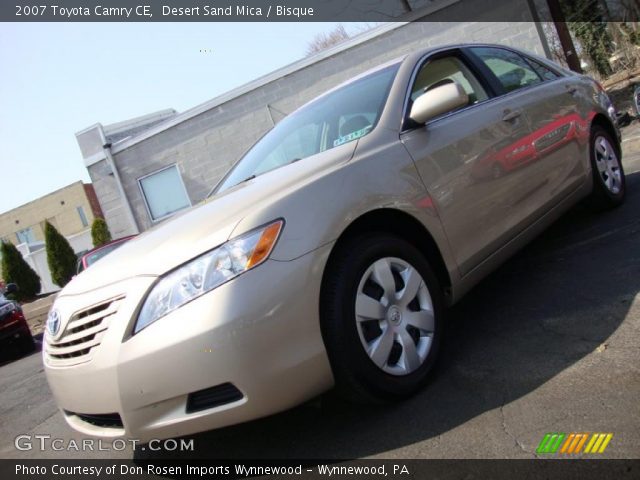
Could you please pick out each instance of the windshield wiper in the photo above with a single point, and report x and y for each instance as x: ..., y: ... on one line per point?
x: 251, y: 177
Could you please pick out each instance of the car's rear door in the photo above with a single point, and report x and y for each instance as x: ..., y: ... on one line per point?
x: 477, y: 162
x: 548, y: 100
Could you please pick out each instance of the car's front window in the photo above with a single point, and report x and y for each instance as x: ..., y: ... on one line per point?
x: 512, y: 71
x: 342, y: 116
x: 445, y: 70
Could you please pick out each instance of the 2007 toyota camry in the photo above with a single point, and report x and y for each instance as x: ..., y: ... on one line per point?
x: 327, y: 254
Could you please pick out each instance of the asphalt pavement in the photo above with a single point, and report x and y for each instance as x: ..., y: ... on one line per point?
x: 548, y: 343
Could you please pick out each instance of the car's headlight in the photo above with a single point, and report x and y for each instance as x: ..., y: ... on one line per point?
x: 208, y: 271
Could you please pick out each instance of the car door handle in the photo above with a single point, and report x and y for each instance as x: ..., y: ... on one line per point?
x: 510, y: 115
x: 572, y: 89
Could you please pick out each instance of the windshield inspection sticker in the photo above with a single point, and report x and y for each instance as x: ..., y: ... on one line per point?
x: 352, y: 136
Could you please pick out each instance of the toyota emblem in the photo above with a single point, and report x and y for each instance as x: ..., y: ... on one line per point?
x: 53, y: 322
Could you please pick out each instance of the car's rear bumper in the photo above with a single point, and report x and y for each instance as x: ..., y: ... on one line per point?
x: 260, y: 332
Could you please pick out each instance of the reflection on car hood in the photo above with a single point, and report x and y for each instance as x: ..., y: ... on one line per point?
x: 202, y: 227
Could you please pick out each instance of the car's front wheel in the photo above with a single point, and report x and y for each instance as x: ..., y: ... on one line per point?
x: 381, y: 313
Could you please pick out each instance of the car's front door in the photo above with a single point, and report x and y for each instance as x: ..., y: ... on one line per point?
x: 477, y: 162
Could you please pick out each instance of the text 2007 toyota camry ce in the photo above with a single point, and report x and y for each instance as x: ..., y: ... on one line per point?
x: 328, y: 252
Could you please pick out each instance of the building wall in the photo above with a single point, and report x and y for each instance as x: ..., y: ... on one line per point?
x: 59, y: 207
x: 205, y: 146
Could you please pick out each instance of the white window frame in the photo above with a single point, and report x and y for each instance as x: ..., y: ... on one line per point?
x: 144, y: 197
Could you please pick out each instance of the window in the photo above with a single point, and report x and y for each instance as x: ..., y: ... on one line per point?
x: 25, y: 236
x: 164, y: 193
x: 445, y: 70
x: 512, y: 70
x: 341, y: 116
x: 545, y: 72
x: 98, y: 254
x: 83, y: 217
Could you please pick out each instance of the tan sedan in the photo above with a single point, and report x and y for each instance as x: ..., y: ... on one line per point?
x: 327, y: 255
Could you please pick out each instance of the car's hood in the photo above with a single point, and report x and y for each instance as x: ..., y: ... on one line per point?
x: 202, y: 227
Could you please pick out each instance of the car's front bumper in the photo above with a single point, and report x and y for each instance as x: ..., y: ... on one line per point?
x: 259, y: 332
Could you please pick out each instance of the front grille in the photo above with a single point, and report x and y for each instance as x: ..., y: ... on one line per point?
x: 107, y: 420
x: 213, y: 397
x: 83, y: 333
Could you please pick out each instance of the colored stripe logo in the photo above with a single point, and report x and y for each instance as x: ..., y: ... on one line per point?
x: 573, y: 443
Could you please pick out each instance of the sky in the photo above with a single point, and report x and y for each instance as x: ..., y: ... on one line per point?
x: 58, y: 78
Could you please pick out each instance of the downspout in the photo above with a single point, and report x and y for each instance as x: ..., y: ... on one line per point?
x: 127, y: 207
x: 539, y: 29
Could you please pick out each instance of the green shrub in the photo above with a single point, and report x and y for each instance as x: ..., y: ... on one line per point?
x: 16, y: 270
x: 100, y: 232
x: 60, y: 256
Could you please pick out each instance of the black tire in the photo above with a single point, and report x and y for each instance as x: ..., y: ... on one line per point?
x: 601, y: 197
x: 357, y: 377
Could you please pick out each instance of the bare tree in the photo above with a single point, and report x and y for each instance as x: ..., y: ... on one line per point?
x: 322, y: 41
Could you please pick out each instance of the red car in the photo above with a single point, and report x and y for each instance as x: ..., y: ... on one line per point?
x: 13, y: 326
x: 92, y: 256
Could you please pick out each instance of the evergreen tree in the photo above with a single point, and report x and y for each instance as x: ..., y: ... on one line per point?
x: 16, y: 270
x: 60, y: 256
x: 100, y: 233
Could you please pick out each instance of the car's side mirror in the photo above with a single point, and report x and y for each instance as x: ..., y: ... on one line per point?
x: 11, y: 288
x: 437, y: 101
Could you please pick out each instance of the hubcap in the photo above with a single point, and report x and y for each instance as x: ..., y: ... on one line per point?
x: 394, y: 316
x: 608, y: 165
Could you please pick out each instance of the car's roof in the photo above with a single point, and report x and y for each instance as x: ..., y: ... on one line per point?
x: 412, y: 58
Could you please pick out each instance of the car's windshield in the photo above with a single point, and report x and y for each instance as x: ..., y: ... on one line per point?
x: 342, y: 116
x: 92, y: 258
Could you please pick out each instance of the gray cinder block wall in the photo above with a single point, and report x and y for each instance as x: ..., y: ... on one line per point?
x: 204, y: 146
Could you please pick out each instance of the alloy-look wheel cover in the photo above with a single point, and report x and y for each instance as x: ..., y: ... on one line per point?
x: 608, y: 165
x: 394, y: 316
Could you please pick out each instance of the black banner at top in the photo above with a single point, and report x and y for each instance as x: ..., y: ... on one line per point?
x: 313, y: 10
